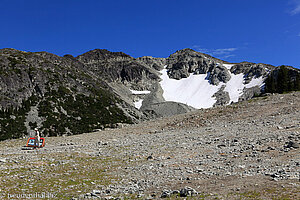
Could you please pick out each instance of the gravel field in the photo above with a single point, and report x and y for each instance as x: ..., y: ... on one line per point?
x: 248, y: 150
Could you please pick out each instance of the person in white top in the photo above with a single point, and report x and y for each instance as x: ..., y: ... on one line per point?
x: 37, y: 138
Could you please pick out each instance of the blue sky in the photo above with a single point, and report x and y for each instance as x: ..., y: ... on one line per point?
x: 266, y: 31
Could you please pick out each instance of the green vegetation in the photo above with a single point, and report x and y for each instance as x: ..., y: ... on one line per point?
x: 64, y: 113
x: 68, y: 114
x: 69, y: 100
x: 63, y: 179
x: 14, y: 61
x: 12, y: 120
x: 282, y: 80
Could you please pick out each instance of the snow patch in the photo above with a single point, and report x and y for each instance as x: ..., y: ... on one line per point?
x: 138, y: 104
x: 194, y: 91
x: 235, y: 87
x: 255, y: 82
x: 228, y: 66
x: 139, y: 92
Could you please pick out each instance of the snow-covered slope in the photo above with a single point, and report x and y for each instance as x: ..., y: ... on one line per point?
x: 196, y: 91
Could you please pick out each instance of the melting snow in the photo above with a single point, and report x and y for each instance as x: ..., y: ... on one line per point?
x: 255, y: 82
x: 194, y: 91
x: 235, y: 87
x: 228, y: 66
x: 138, y: 104
x: 139, y: 92
x: 197, y: 92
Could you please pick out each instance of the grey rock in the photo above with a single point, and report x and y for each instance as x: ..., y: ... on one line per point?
x: 279, y: 127
x: 96, y: 191
x: 149, y: 157
x: 109, y: 198
x: 94, y: 195
x: 156, y: 96
x: 222, y: 97
x: 184, y: 62
x: 218, y: 74
x: 251, y: 70
x: 187, y: 191
x: 165, y: 194
x: 292, y: 144
x: 156, y: 63
x: 175, y: 192
x: 249, y: 93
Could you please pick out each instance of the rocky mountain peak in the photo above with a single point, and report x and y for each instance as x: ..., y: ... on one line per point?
x: 187, y: 61
x: 102, y: 55
x: 155, y: 63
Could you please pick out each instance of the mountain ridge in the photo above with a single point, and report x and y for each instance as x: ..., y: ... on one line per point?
x: 44, y: 90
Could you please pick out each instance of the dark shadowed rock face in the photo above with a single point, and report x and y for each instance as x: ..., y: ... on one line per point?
x: 219, y: 74
x: 119, y: 67
x: 64, y: 96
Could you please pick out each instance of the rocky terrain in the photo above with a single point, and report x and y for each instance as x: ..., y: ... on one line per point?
x: 246, y: 150
x: 100, y: 89
x: 57, y: 94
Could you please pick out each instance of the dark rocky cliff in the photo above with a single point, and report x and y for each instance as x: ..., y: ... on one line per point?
x: 57, y: 94
x: 118, y: 67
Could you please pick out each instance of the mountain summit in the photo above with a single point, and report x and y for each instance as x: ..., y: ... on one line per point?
x: 99, y: 89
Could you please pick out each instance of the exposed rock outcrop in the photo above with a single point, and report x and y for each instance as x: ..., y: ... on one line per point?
x: 119, y: 67
x: 184, y: 62
x: 222, y: 97
x: 155, y: 63
x: 248, y: 93
x: 251, y: 70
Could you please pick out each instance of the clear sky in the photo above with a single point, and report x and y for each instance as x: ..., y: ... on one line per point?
x: 266, y: 31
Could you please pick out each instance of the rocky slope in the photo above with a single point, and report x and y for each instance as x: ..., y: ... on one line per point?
x: 247, y: 150
x: 57, y: 94
x: 68, y: 95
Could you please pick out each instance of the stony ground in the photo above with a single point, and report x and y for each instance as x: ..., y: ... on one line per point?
x: 248, y: 150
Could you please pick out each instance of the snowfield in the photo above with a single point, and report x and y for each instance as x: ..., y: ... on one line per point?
x: 196, y: 91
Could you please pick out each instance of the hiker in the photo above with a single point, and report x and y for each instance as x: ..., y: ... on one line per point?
x: 37, y: 138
